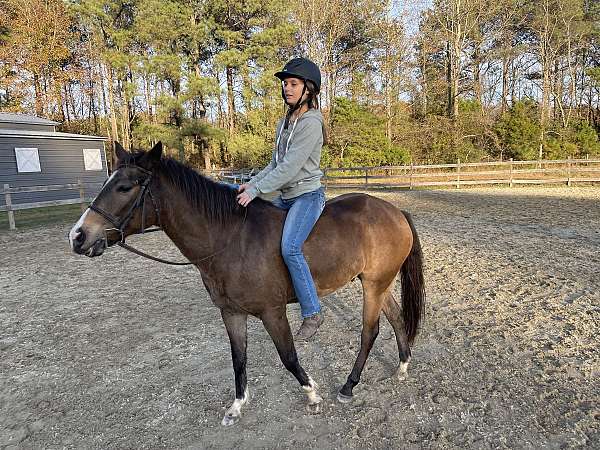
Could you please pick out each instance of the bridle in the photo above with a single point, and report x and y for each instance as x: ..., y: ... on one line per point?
x: 119, y: 224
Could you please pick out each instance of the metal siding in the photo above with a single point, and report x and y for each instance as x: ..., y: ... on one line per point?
x: 26, y: 126
x: 61, y: 162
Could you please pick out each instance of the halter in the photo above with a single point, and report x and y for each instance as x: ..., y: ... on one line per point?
x: 140, y: 201
x: 120, y: 224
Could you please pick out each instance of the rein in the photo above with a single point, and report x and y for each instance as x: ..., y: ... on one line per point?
x: 140, y: 201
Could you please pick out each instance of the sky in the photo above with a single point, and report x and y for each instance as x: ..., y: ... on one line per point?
x: 410, y: 11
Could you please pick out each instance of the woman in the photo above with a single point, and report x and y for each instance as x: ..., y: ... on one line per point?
x: 294, y: 170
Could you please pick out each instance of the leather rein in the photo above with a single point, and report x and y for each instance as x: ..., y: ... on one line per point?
x: 140, y: 202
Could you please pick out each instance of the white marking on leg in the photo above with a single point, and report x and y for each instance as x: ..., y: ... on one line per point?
x: 235, y: 410
x: 402, y: 372
x: 314, y: 399
x: 73, y: 234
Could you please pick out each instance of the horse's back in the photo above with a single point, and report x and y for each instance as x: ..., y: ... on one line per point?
x: 357, y: 234
x: 363, y: 209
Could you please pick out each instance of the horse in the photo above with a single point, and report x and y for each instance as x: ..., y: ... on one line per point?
x: 237, y: 252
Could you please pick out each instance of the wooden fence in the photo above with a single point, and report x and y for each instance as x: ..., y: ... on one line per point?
x: 459, y: 175
x: 11, y: 207
x: 233, y: 176
x: 510, y: 173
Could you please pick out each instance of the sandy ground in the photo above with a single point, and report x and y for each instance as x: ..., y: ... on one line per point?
x: 121, y: 352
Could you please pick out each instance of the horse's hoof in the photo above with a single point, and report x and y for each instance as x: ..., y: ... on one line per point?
x: 314, y: 408
x: 401, y: 376
x: 229, y: 420
x: 344, y: 398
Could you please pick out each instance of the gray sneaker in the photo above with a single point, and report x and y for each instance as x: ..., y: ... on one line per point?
x: 309, y: 327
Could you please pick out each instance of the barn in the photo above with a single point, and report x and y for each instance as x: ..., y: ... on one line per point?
x: 33, y: 153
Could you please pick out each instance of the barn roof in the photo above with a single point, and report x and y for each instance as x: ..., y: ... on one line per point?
x: 49, y: 135
x: 25, y: 118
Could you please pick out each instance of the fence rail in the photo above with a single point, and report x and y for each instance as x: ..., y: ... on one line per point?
x: 567, y: 171
x: 11, y: 207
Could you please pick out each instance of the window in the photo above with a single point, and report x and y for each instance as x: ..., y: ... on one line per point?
x: 92, y: 159
x: 28, y: 160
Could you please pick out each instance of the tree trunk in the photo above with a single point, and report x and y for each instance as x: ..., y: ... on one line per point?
x: 449, y: 81
x: 505, y: 70
x: 39, y: 104
x: 148, y: 97
x: 230, y: 101
x: 112, y: 106
x: 477, y: 87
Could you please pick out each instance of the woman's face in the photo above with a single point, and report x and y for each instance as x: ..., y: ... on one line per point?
x: 292, y: 89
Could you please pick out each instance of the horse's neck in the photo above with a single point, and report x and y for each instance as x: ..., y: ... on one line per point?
x: 186, y: 225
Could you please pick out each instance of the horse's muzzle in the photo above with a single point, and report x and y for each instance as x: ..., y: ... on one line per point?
x: 78, y: 244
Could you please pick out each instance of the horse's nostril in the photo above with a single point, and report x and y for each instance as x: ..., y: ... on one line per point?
x: 80, y: 236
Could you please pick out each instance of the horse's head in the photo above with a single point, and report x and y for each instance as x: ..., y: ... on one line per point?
x: 124, y: 206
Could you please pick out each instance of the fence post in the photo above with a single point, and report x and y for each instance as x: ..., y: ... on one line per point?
x: 511, y: 173
x: 366, y: 178
x: 325, y: 177
x: 81, y: 195
x: 569, y: 170
x: 412, y: 170
x: 8, y: 201
x: 458, y: 174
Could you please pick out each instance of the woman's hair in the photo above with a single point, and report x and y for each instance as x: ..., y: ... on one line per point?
x: 312, y: 100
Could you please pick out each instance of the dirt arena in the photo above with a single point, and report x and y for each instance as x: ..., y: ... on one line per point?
x: 122, y: 352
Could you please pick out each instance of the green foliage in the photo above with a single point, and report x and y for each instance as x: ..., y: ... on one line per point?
x: 172, y: 70
x: 556, y: 147
x: 519, y: 131
x: 586, y: 140
x: 248, y: 150
x: 358, y: 138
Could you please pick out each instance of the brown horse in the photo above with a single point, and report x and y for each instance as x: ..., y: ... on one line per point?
x: 237, y: 251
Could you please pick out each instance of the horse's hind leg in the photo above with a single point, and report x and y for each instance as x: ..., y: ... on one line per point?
x: 372, y: 305
x: 278, y: 327
x: 394, y: 316
x: 236, y: 325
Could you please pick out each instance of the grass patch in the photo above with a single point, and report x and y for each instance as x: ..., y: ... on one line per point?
x: 39, y: 217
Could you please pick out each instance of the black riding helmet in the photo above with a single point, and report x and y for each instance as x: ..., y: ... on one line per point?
x: 304, y: 69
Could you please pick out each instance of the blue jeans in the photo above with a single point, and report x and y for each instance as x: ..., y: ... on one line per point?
x: 302, y: 214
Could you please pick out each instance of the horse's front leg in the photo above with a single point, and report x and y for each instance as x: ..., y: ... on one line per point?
x: 236, y: 325
x: 278, y: 327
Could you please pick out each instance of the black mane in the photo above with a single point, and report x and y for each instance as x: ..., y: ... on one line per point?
x: 217, y: 201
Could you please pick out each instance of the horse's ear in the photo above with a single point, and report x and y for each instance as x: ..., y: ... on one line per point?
x: 152, y: 157
x: 120, y: 152
x: 156, y: 152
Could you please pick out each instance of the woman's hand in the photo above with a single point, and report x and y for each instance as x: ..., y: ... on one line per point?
x: 243, y: 187
x: 243, y: 198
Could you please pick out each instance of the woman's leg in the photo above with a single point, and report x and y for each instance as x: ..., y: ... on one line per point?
x: 301, y: 217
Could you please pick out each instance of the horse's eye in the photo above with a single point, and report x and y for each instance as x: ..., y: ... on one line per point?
x: 124, y: 188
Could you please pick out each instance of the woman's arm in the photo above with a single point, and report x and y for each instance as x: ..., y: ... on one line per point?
x: 307, y: 137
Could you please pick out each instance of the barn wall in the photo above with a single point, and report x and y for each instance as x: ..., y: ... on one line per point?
x: 61, y: 162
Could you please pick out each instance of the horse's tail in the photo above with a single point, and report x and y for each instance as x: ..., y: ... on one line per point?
x: 413, y: 285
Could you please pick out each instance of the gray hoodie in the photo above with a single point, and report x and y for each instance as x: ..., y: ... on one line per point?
x: 294, y: 167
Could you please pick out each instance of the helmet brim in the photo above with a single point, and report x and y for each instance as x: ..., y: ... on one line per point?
x: 283, y: 75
